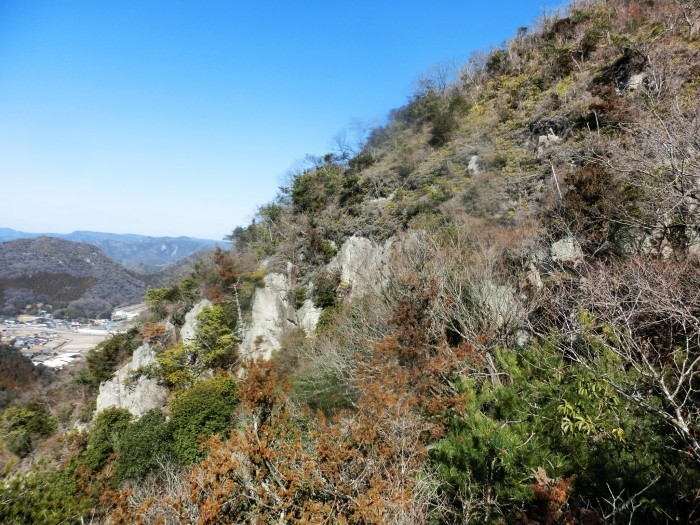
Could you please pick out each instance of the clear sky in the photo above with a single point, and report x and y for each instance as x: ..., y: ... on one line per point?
x: 173, y: 117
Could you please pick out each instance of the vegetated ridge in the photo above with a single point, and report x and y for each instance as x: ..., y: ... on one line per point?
x: 488, y: 312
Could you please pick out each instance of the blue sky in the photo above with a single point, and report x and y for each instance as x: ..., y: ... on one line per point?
x: 181, y: 117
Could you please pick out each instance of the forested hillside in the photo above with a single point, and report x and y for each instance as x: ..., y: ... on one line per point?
x: 488, y: 312
x: 74, y: 279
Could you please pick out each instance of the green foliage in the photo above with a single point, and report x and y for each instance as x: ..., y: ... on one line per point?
x: 263, y: 235
x: 299, y: 296
x: 204, y: 410
x: 498, y: 63
x: 326, y: 291
x: 158, y: 298
x: 313, y: 189
x: 491, y: 448
x: 214, y: 346
x: 549, y: 415
x: 43, y: 498
x: 103, y: 360
x: 325, y: 320
x: 214, y: 338
x: 444, y: 123
x: 144, y: 445
x: 21, y: 426
x: 188, y: 290
x: 106, y: 432
x: 362, y: 160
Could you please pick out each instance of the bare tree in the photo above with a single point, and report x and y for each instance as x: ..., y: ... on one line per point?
x: 646, y: 317
x: 660, y: 159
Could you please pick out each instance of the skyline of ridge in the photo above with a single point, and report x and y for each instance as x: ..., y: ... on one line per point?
x: 169, y: 120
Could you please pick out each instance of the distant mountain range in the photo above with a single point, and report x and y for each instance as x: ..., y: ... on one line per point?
x: 141, y: 253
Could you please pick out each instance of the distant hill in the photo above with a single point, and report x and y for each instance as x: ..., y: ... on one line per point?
x: 140, y: 253
x: 76, y: 279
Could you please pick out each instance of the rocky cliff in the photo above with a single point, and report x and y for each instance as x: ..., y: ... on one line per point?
x: 131, y: 388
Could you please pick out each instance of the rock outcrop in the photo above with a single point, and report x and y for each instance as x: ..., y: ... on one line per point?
x: 567, y: 251
x: 131, y: 389
x: 188, y: 332
x: 361, y: 263
x: 271, y: 317
x: 308, y: 316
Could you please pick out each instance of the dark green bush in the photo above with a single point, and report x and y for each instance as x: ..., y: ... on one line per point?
x: 204, y: 410
x: 105, y: 435
x: 299, y: 297
x: 103, y: 360
x: 326, y: 290
x: 144, y: 445
x: 43, y: 498
x: 21, y: 426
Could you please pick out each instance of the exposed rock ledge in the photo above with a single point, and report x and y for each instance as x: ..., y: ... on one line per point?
x: 361, y: 263
x: 271, y: 317
x: 188, y: 332
x: 137, y: 395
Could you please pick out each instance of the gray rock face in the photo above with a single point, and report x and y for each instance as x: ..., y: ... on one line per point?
x: 636, y: 81
x: 567, y: 251
x: 473, y: 166
x: 308, y: 316
x: 498, y: 303
x: 271, y: 317
x: 189, y: 330
x: 361, y: 263
x: 138, y: 395
x: 170, y: 332
x: 544, y: 142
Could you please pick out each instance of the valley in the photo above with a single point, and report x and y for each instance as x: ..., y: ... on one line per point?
x: 56, y: 343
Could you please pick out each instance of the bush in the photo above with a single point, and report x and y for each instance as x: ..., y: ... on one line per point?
x: 43, y: 498
x: 214, y: 346
x: 143, y: 445
x: 326, y: 291
x: 102, y: 360
x: 444, y: 123
x: 20, y: 426
x: 105, y: 435
x: 203, y: 410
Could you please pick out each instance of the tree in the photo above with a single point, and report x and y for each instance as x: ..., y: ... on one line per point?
x: 144, y: 446
x: 213, y: 347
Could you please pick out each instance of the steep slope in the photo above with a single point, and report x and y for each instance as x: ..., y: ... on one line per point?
x: 489, y: 313
x: 76, y: 279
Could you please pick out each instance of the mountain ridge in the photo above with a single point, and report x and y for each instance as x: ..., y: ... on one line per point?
x: 142, y: 253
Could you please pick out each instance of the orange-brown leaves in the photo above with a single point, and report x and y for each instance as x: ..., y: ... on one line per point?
x: 552, y: 505
x: 153, y: 331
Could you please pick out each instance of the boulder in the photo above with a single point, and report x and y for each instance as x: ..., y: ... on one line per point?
x: 544, y: 142
x: 132, y: 390
x: 473, y: 166
x: 308, y: 316
x: 567, y: 251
